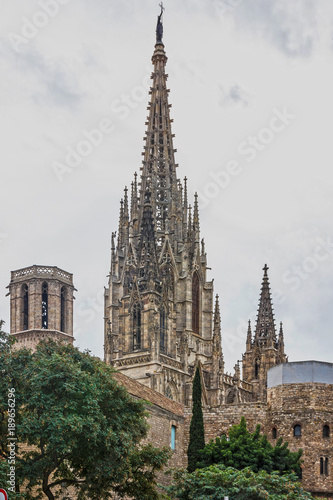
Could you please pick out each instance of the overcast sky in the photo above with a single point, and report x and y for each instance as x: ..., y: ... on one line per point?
x: 251, y: 91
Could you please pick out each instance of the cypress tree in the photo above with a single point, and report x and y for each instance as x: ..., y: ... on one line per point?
x: 197, y: 430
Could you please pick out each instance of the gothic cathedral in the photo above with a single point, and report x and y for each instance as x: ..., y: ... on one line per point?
x: 161, y: 320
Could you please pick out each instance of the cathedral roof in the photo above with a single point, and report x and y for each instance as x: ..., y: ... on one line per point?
x: 141, y: 391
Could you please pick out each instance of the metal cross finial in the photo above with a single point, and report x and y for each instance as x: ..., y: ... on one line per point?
x: 265, y: 269
x: 162, y: 7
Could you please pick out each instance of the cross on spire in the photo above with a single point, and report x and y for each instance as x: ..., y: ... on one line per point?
x: 159, y: 27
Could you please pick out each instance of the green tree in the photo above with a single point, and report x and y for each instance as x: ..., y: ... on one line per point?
x: 82, y: 428
x: 217, y: 481
x: 243, y: 449
x: 197, y: 430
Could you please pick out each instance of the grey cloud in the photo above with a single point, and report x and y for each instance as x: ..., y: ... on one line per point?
x: 292, y: 27
x: 234, y: 96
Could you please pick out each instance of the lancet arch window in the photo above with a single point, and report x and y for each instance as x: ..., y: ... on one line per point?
x: 25, y: 307
x: 256, y: 368
x: 45, y: 305
x: 163, y: 330
x: 324, y: 466
x: 195, y: 303
x: 63, y: 308
x: 136, y: 320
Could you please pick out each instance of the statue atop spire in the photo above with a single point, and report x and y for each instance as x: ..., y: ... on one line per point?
x: 159, y: 27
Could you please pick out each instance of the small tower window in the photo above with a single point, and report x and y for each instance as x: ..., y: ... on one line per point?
x: 136, y: 326
x: 45, y: 305
x: 323, y: 466
x: 195, y: 303
x: 297, y: 431
x: 162, y: 330
x: 173, y: 437
x: 25, y: 308
x: 274, y: 433
x: 326, y: 431
x: 63, y: 309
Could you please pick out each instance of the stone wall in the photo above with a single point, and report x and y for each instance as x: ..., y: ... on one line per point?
x: 310, y: 406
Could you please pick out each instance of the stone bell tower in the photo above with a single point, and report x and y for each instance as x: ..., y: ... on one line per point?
x: 41, y: 305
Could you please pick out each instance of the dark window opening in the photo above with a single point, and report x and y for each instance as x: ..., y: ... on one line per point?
x: 162, y: 330
x: 195, y: 303
x: 44, y: 305
x: 297, y: 430
x: 323, y: 466
x: 136, y: 326
x: 326, y: 431
x: 63, y: 310
x: 256, y: 368
x: 25, y: 295
x: 274, y: 433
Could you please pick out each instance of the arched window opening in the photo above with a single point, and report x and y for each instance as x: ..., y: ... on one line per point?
x: 256, y: 368
x: 162, y: 330
x: 45, y: 306
x: 173, y: 437
x: 326, y: 431
x: 195, y: 303
x: 136, y: 326
x: 297, y: 430
x: 274, y: 433
x: 168, y: 392
x: 63, y: 309
x: 323, y: 466
x: 25, y: 308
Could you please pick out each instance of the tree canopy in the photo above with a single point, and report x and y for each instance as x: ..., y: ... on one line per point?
x: 75, y: 426
x: 197, y: 430
x: 217, y: 481
x: 244, y: 449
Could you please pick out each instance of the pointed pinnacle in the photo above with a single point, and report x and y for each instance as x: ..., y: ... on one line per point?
x: 196, y: 213
x: 185, y: 194
x: 125, y: 204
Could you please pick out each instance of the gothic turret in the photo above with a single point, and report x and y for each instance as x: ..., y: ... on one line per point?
x: 265, y: 351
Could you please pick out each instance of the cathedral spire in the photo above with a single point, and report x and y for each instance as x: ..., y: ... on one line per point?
x: 265, y: 332
x: 159, y: 167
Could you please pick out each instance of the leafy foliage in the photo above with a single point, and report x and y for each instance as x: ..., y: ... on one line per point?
x: 244, y: 449
x: 79, y: 428
x: 197, y: 430
x: 217, y: 481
